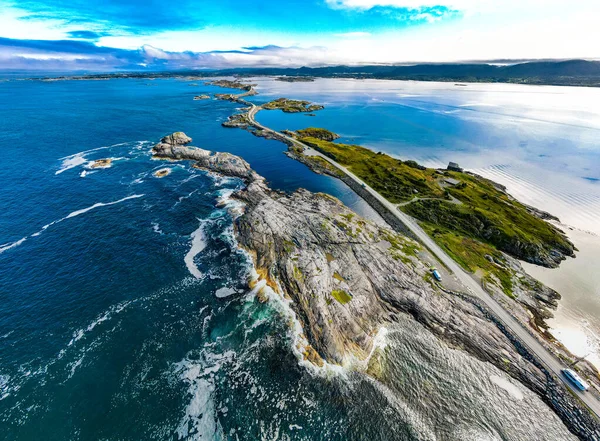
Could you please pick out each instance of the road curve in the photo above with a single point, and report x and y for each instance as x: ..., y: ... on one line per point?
x: 552, y: 362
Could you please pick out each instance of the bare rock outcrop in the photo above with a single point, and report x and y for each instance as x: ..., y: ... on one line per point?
x: 173, y: 147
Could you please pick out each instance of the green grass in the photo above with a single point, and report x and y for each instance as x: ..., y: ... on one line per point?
x: 315, y: 132
x: 341, y: 296
x: 392, y: 178
x: 291, y: 106
x: 491, y: 216
x: 470, y: 254
x: 486, y: 213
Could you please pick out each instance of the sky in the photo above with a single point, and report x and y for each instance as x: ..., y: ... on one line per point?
x: 112, y: 35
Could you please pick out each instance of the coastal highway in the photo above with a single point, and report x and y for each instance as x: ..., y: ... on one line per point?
x: 552, y: 362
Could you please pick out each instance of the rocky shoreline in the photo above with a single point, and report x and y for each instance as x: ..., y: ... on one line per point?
x: 348, y: 277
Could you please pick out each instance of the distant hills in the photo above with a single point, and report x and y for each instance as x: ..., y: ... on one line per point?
x: 563, y: 73
x: 572, y: 72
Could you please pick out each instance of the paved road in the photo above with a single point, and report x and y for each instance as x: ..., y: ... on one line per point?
x: 551, y: 362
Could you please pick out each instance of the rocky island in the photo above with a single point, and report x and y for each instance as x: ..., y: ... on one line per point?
x: 296, y: 79
x: 101, y: 163
x: 162, y: 172
x: 348, y: 278
x: 229, y: 84
x: 201, y: 97
x: 292, y: 106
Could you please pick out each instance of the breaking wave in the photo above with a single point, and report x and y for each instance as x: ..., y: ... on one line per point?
x: 75, y: 213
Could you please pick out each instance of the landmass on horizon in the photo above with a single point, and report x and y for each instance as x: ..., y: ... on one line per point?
x: 558, y: 73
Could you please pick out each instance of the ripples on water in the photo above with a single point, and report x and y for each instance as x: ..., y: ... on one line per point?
x: 125, y: 313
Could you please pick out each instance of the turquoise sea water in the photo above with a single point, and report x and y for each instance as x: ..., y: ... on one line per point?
x: 124, y: 312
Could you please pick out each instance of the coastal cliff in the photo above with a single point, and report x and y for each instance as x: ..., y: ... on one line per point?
x: 349, y: 278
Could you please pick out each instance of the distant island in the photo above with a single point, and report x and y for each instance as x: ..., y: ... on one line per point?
x: 559, y: 73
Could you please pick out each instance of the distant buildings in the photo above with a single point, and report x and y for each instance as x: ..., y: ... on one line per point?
x: 453, y: 166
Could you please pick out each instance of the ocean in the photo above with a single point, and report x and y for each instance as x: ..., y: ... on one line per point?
x: 124, y: 307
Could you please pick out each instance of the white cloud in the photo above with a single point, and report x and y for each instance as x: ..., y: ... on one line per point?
x: 407, y: 4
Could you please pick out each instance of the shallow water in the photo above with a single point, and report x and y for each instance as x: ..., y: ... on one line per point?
x: 123, y: 307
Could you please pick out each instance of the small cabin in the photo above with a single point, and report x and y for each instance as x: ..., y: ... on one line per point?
x: 453, y: 166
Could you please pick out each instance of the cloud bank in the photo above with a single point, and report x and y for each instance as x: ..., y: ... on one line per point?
x: 77, y: 55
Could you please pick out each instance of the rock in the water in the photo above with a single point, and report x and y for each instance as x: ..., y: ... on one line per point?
x: 220, y: 162
x: 177, y: 138
x: 101, y: 163
x: 162, y: 172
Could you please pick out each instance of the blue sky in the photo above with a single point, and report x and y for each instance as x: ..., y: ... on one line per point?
x: 136, y: 34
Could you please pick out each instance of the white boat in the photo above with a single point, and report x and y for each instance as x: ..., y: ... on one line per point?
x: 575, y: 379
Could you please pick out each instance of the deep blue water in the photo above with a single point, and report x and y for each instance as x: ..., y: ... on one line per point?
x: 124, y: 312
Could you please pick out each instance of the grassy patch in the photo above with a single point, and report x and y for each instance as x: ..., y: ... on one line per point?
x: 319, y: 162
x: 470, y: 254
x: 399, y: 243
x: 315, y: 132
x: 338, y: 277
x: 341, y: 296
x: 291, y: 106
x: 392, y: 178
x: 298, y: 274
x: 491, y: 216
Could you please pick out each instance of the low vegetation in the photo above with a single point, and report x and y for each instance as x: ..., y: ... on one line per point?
x: 396, y: 180
x: 471, y: 255
x: 315, y: 132
x: 488, y: 214
x: 472, y: 218
x: 231, y: 84
x: 291, y: 106
x: 341, y: 296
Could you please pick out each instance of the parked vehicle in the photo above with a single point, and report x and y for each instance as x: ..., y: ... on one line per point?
x: 575, y: 379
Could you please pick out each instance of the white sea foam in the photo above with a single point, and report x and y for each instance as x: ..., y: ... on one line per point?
x: 85, y: 173
x: 299, y: 342
x: 75, y: 365
x: 8, y: 246
x: 107, y: 315
x: 100, y: 204
x: 85, y: 152
x: 7, y: 334
x: 71, y: 162
x: 183, y: 198
x: 76, y: 213
x: 79, y: 158
x: 200, y: 421
x: 508, y: 386
x: 4, y: 388
x: 224, y: 199
x: 198, y: 244
x: 224, y: 292
x: 156, y: 228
